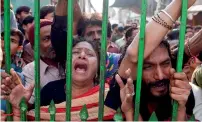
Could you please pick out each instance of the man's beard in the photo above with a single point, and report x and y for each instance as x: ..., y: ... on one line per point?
x: 147, y: 87
x: 50, y: 54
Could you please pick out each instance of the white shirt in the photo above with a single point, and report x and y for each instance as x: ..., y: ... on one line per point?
x: 198, y: 101
x: 47, y: 74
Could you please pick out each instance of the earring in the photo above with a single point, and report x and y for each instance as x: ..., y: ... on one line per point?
x: 96, y: 76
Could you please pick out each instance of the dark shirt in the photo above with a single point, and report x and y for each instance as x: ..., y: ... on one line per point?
x: 53, y: 91
x: 164, y: 104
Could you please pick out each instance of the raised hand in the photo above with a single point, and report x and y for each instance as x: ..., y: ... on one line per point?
x: 179, y: 87
x: 126, y: 92
x: 13, y: 90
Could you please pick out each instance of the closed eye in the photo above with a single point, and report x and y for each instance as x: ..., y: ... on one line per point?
x: 147, y: 66
x: 166, y: 63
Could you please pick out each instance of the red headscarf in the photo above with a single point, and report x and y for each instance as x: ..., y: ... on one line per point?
x: 43, y: 22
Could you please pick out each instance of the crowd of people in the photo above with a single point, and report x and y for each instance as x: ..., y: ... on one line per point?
x: 160, y: 82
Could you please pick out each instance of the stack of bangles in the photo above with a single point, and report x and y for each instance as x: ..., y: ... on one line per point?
x: 162, y: 22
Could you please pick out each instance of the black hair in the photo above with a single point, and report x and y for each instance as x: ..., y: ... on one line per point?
x: 46, y: 10
x: 121, y: 29
x: 15, y: 32
x: 21, y: 9
x: 200, y: 56
x: 96, y: 47
x: 164, y: 43
x: 129, y: 32
x: 127, y: 27
x: 93, y: 19
x: 114, y: 26
x: 174, y: 34
x: 28, y: 20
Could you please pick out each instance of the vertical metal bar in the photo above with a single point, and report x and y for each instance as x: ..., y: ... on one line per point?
x: 36, y: 58
x: 103, y: 58
x: 52, y: 111
x: 23, y: 109
x: 69, y: 60
x: 7, y: 48
x: 84, y: 114
x: 181, y: 49
x: 140, y: 58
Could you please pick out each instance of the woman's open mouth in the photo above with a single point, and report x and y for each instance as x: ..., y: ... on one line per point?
x: 80, y: 68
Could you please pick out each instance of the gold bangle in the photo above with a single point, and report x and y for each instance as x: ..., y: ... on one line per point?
x: 161, y: 23
x: 166, y: 13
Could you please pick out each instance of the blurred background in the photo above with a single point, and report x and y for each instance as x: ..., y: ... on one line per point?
x: 123, y: 11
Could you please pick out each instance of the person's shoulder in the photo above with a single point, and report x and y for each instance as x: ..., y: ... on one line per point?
x: 197, y: 92
x: 29, y: 65
x: 12, y: 12
x: 190, y: 103
x: 28, y: 69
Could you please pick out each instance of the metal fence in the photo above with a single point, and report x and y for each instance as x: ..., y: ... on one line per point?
x: 23, y: 106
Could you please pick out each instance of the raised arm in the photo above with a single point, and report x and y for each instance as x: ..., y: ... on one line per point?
x: 59, y: 28
x: 152, y: 39
x: 194, y: 44
x: 61, y: 10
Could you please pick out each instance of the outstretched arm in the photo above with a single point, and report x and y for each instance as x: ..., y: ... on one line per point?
x: 152, y: 38
x: 59, y: 28
x: 195, y: 44
x: 61, y: 10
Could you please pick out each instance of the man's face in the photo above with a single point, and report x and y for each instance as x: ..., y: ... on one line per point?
x: 134, y: 33
x: 46, y: 49
x: 14, y: 45
x: 190, y: 66
x: 93, y: 32
x: 26, y: 27
x: 23, y: 15
x: 116, y: 29
x: 156, y: 71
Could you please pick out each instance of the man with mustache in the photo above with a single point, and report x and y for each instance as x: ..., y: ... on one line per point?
x: 160, y: 82
x: 49, y: 68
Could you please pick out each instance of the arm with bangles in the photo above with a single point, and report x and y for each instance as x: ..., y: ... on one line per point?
x: 153, y: 38
x: 194, y: 46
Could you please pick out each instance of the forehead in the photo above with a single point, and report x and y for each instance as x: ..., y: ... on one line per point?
x: 16, y: 37
x: 83, y: 45
x: 93, y: 28
x: 45, y: 29
x: 159, y: 55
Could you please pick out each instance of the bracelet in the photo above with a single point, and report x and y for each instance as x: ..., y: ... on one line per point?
x: 161, y: 23
x: 166, y: 13
x: 189, y: 48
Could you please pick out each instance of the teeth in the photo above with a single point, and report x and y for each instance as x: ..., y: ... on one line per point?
x: 80, y: 70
